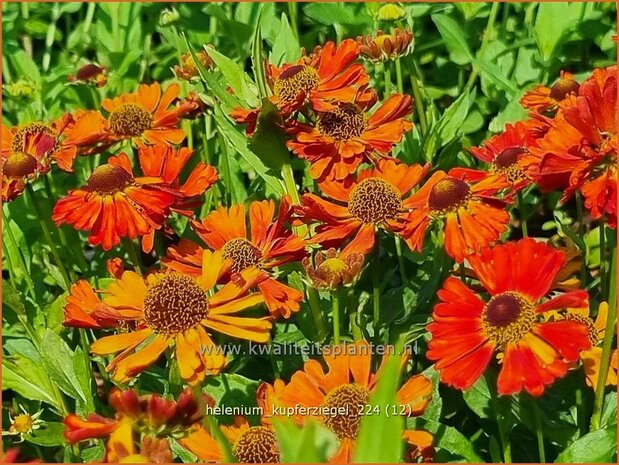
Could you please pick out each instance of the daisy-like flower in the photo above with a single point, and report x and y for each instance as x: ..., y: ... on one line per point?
x: 265, y: 244
x: 250, y: 444
x: 579, y: 151
x: 149, y: 418
x: 170, y: 308
x: 331, y: 269
x: 344, y: 388
x: 187, y: 69
x: 467, y: 330
x: 385, y: 47
x: 591, y: 358
x: 544, y: 99
x: 23, y: 423
x: 376, y: 199
x: 115, y: 203
x: 347, y: 136
x: 505, y: 153
x: 147, y: 116
x: 326, y: 76
x: 465, y: 205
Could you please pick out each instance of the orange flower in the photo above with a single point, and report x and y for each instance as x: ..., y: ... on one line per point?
x: 326, y: 76
x: 145, y: 116
x: 464, y: 203
x: 467, y: 330
x: 332, y: 269
x: 148, y: 417
x: 266, y: 244
x: 384, y: 47
x: 115, y: 204
x: 250, y: 444
x: 346, y: 386
x: 345, y: 137
x: 375, y: 199
x: 579, y: 152
x: 504, y: 153
x: 170, y: 308
x: 545, y: 99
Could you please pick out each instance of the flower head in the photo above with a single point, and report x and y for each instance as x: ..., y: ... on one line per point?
x: 115, y: 203
x: 579, y: 151
x: 331, y: 269
x: 376, y: 199
x: 23, y: 423
x: 465, y: 206
x: 187, y: 68
x: 468, y: 330
x: 545, y: 99
x: 170, y: 309
x: 385, y: 47
x: 91, y: 74
x: 346, y: 136
x: 265, y: 243
x: 344, y: 388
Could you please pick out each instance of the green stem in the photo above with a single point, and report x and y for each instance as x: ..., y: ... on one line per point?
x: 134, y: 256
x: 291, y: 190
x: 387, y: 78
x: 398, y: 75
x: 537, y: 416
x: 294, y: 21
x: 488, y: 34
x: 314, y: 305
x: 376, y: 288
x: 49, y: 37
x: 357, y: 334
x: 398, y: 249
x: 421, y: 112
x: 580, y: 410
x: 523, y: 215
x: 505, y: 444
x: 335, y: 295
x: 607, y: 345
x: 603, y: 271
x: 20, y: 257
x: 48, y: 236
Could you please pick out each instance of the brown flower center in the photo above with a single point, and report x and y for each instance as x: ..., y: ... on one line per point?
x: 174, y: 303
x: 506, y: 162
x: 242, y: 253
x: 107, y: 179
x: 31, y: 130
x: 374, y: 200
x: 563, y: 88
x: 130, y: 120
x: 295, y: 83
x: 507, y: 317
x: 448, y: 194
x: 256, y: 445
x: 344, y: 403
x: 343, y: 123
x: 19, y: 164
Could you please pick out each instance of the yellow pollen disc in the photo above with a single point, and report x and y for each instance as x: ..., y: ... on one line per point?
x: 507, y: 317
x: 130, y: 120
x: 448, y: 194
x: 21, y: 424
x: 174, y: 303
x: 19, y: 164
x: 333, y: 265
x: 594, y: 335
x: 344, y: 403
x: 295, y: 83
x: 242, y: 253
x: 562, y: 88
x: 256, y: 445
x: 30, y: 130
x: 374, y: 200
x: 107, y: 179
x: 343, y: 123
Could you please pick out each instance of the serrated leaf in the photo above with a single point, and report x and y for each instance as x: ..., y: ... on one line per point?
x: 28, y: 379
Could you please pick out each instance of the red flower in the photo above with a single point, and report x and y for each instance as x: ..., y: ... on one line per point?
x: 467, y: 330
x: 544, y: 99
x: 346, y: 136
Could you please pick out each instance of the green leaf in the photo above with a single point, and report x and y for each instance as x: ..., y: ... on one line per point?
x: 235, y: 77
x: 57, y: 361
x: 49, y: 435
x: 310, y: 443
x: 553, y: 21
x: 182, y: 453
x: 54, y: 313
x: 83, y: 375
x: 335, y: 13
x: 448, y: 438
x: 286, y: 48
x: 28, y: 379
x: 257, y: 59
x: 456, y: 42
x: 597, y: 447
x: 494, y: 75
x: 478, y: 398
x: 269, y: 141
x: 380, y: 435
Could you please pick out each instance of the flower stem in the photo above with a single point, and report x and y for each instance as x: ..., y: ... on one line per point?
x: 48, y: 237
x: 387, y: 78
x: 294, y: 21
x: 537, y: 417
x: 398, y: 249
x: 398, y: 75
x: 523, y: 215
x: 376, y: 288
x: 335, y: 296
x: 20, y: 257
x: 421, y: 112
x: 134, y: 256
x: 314, y: 305
x: 607, y: 345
